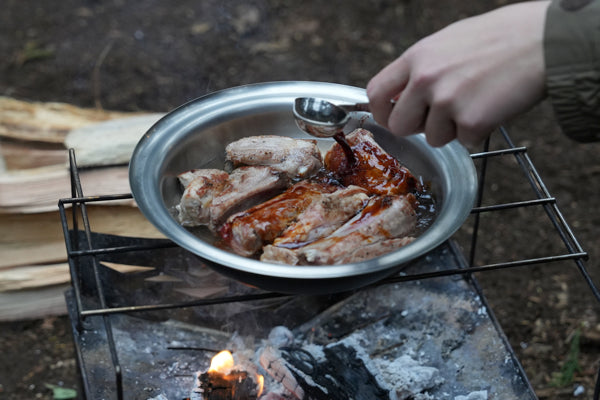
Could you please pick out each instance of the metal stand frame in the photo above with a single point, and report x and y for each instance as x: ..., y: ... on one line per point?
x: 78, y: 202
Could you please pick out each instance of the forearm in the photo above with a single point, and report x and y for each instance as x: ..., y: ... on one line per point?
x: 572, y: 62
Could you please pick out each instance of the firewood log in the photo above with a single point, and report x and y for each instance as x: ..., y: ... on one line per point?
x: 46, y: 122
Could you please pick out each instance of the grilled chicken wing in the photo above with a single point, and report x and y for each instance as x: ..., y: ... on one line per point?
x: 323, y: 216
x: 367, y: 234
x: 374, y: 169
x: 213, y: 195
x: 298, y: 158
x: 201, y: 185
x: 245, y: 188
x: 247, y: 232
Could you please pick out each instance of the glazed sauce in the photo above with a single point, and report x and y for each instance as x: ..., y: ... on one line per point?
x: 380, y: 173
x: 370, y: 168
x: 270, y: 218
x: 340, y: 138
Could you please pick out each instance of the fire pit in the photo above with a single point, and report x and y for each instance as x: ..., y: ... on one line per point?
x: 436, y: 336
x: 426, y: 332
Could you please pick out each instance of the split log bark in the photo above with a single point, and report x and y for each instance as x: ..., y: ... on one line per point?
x: 110, y: 142
x: 21, y: 155
x: 33, y: 276
x: 38, y: 189
x: 33, y: 303
x: 37, y: 291
x: 46, y: 122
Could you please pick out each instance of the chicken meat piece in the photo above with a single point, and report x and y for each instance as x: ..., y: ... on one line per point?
x: 279, y: 255
x: 248, y: 231
x: 372, y: 250
x: 201, y: 185
x: 382, y: 219
x: 374, y: 169
x: 298, y: 158
x: 323, y: 217
x: 245, y: 188
x: 357, y: 248
x: 187, y: 177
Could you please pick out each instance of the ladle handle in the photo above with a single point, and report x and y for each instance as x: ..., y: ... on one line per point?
x: 356, y: 107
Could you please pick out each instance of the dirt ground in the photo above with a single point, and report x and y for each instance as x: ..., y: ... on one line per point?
x: 153, y: 56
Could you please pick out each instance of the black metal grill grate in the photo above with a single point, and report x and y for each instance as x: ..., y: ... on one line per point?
x: 77, y: 225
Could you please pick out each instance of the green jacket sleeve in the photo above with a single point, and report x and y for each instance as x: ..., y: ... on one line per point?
x: 572, y: 57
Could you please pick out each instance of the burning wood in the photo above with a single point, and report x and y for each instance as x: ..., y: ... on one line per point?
x: 226, y: 381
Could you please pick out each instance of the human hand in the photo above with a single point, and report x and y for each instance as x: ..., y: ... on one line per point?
x: 465, y: 80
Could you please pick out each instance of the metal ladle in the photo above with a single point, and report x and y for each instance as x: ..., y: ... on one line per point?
x: 321, y: 118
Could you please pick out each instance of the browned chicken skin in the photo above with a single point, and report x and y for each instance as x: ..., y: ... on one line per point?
x: 323, y: 216
x: 382, y: 219
x: 201, y: 186
x: 298, y: 158
x: 374, y: 169
x: 248, y: 231
x: 246, y: 187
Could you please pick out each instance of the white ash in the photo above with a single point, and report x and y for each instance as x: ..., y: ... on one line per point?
x: 406, y: 377
x: 316, y: 351
x: 280, y: 336
x: 479, y: 395
x: 159, y: 397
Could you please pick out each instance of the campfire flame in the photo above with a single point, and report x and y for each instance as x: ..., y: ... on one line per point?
x: 261, y: 384
x: 223, y: 363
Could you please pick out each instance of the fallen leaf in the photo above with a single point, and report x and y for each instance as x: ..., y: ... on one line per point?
x: 61, y: 393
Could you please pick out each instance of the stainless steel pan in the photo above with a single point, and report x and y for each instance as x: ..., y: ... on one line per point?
x: 195, y: 135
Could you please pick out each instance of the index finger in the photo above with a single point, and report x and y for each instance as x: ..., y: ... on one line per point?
x: 385, y: 87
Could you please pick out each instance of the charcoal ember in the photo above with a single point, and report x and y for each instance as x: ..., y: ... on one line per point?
x: 271, y: 360
x: 335, y: 373
x: 236, y: 385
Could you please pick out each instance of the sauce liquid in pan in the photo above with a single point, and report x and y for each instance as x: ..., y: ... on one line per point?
x: 340, y: 138
x: 363, y: 170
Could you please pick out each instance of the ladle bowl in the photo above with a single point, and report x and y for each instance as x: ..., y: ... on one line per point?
x: 322, y: 118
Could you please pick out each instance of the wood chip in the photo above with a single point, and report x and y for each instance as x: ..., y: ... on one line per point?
x: 126, y: 269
